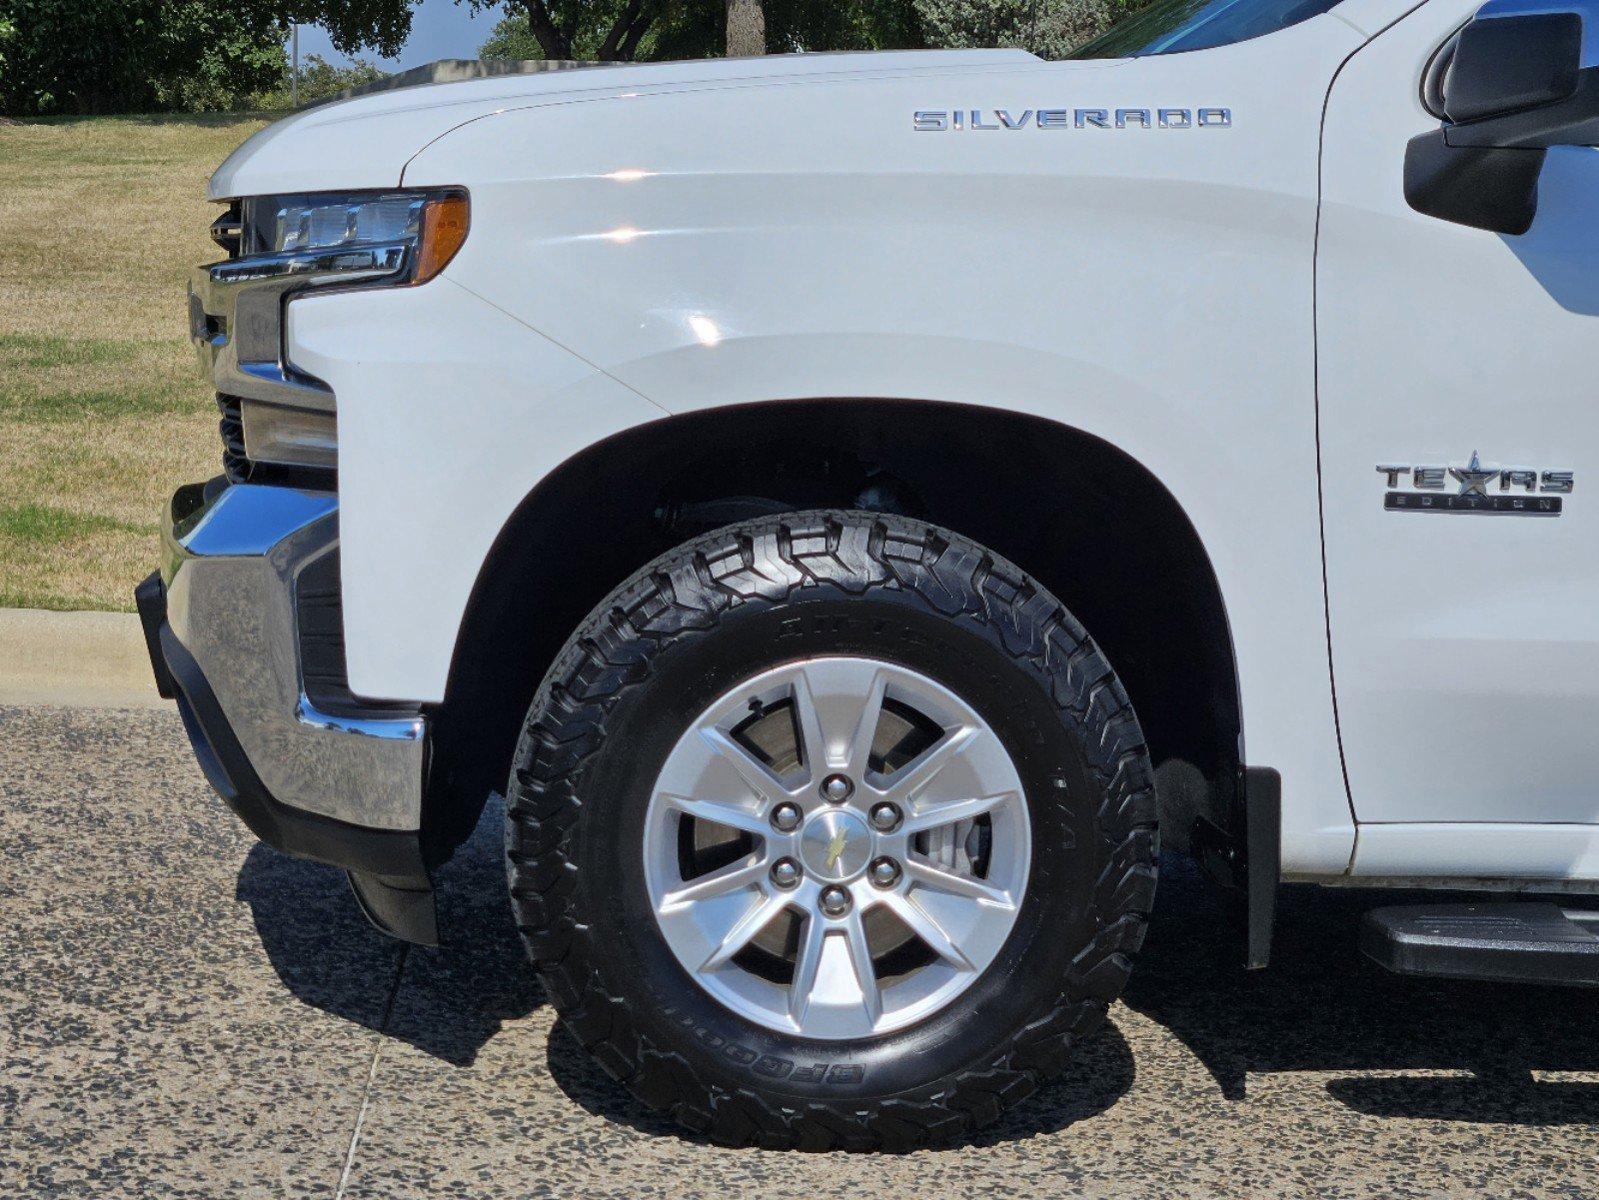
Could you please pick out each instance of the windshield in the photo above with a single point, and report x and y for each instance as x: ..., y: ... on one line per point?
x: 1171, y: 26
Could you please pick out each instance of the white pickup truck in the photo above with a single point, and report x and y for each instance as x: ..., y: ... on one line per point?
x: 846, y: 504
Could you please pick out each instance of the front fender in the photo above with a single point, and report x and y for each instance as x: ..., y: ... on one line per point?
x: 451, y: 413
x: 680, y: 251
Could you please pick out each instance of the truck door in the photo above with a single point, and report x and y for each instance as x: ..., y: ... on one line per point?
x: 1458, y: 410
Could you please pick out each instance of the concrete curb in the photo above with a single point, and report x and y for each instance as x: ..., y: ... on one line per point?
x: 74, y: 660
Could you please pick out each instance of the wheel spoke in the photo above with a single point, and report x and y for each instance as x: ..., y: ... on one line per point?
x: 837, y: 711
x: 930, y: 931
x: 835, y: 984
x: 720, y: 812
x: 925, y: 874
x: 915, y: 776
x: 750, y: 770
x: 860, y: 956
x: 956, y: 810
x: 756, y: 918
x: 807, y: 963
x: 731, y: 878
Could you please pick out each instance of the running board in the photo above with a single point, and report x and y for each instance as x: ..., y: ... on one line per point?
x: 1501, y: 943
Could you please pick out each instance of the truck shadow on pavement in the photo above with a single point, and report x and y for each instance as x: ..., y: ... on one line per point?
x: 446, y: 1002
x: 449, y: 1002
x: 1468, y: 1050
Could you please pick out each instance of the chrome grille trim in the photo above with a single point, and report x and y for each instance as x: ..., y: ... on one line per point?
x: 236, y: 323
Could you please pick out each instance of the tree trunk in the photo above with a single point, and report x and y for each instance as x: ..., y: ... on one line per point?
x: 554, y: 40
x: 746, y: 28
x: 621, y: 43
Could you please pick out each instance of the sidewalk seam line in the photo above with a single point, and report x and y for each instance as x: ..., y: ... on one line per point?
x: 371, y: 1076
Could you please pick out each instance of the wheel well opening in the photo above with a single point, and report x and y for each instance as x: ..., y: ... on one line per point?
x: 1089, y: 522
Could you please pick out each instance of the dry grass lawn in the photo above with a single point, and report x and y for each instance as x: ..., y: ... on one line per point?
x: 102, y: 409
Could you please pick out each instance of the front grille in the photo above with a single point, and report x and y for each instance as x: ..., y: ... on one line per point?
x: 239, y: 467
x: 236, y: 464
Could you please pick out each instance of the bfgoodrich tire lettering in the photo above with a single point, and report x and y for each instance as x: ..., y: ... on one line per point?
x: 722, y: 609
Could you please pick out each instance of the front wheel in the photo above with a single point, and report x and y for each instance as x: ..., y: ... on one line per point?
x: 833, y: 829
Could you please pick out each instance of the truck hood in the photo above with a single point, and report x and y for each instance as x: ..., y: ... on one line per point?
x: 366, y: 142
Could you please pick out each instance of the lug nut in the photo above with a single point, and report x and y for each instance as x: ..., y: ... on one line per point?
x: 835, y: 901
x: 836, y: 789
x: 885, y: 872
x: 785, y: 872
x: 885, y: 818
x: 786, y: 817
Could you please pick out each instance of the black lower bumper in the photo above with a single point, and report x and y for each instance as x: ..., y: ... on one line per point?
x: 386, y: 867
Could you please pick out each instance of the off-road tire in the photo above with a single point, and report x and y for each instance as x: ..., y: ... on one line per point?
x: 586, y: 756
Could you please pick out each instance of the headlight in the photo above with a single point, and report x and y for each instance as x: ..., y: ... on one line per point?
x: 402, y: 237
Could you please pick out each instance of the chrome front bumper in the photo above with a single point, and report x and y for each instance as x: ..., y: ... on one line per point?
x: 222, y: 619
x: 232, y: 557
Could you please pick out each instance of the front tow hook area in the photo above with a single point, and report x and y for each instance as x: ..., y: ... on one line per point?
x: 399, y: 905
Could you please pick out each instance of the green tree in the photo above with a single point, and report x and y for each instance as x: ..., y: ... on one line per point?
x: 98, y: 56
x: 512, y: 37
x: 587, y: 29
x: 606, y: 30
x: 796, y: 25
x: 628, y: 30
x: 319, y: 80
x: 352, y: 25
x: 1048, y: 28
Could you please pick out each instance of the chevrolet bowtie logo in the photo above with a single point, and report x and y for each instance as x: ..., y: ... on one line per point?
x: 835, y: 848
x: 1473, y: 479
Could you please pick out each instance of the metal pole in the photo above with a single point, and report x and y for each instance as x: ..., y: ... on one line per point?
x: 294, y: 79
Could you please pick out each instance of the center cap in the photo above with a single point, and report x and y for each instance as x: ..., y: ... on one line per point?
x: 836, y: 845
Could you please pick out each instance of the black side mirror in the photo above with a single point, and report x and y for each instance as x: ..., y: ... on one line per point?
x: 1509, y: 85
x: 1504, y: 65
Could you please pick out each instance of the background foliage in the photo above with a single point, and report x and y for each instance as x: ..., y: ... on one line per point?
x: 657, y: 29
x: 319, y: 80
x: 83, y: 57
x: 1048, y: 28
x: 98, y: 56
x: 77, y: 57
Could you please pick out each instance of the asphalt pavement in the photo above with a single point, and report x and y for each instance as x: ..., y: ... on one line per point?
x: 185, y: 1013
